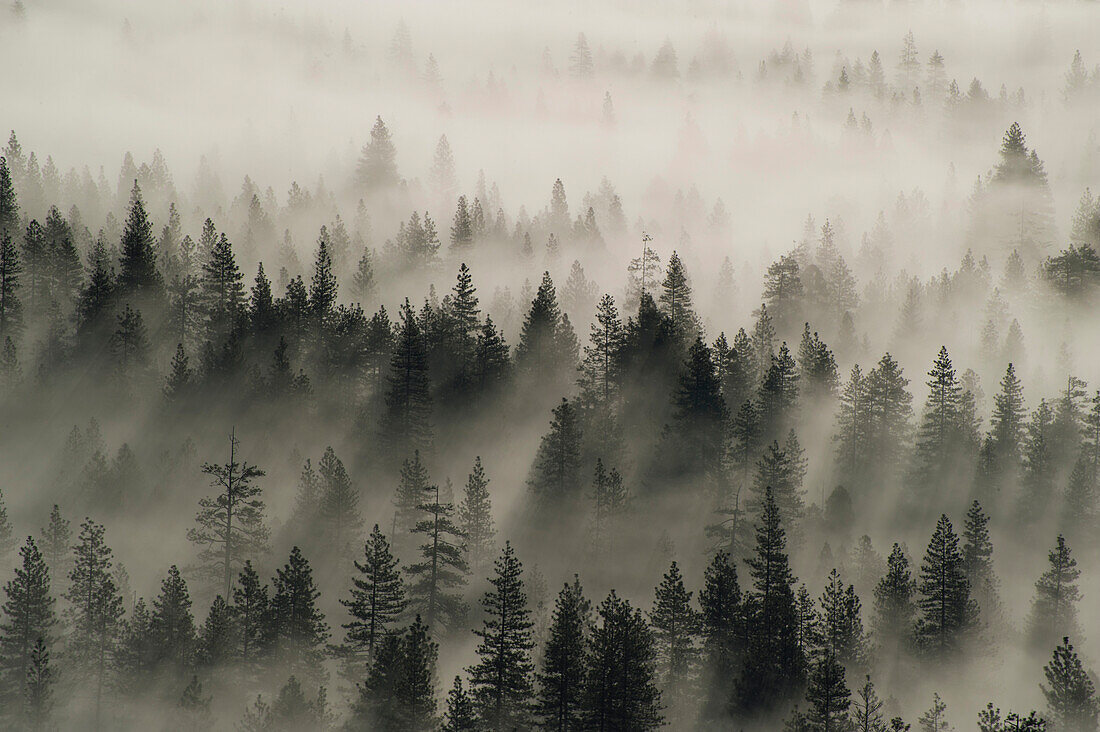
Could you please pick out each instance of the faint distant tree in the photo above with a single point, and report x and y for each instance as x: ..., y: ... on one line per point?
x: 231, y: 522
x: 377, y: 167
x: 580, y: 63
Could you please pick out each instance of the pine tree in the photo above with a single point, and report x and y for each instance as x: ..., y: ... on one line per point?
x: 410, y: 493
x: 601, y: 369
x: 675, y: 300
x: 462, y: 233
x: 722, y: 625
x: 138, y: 276
x: 476, y: 518
x: 406, y: 423
x: 1054, y: 609
x: 934, y: 720
x: 773, y: 666
x: 699, y: 415
x: 38, y: 688
x: 377, y: 168
x: 193, y: 708
x: 783, y: 292
x: 867, y: 710
x: 541, y: 353
x: 363, y: 284
x: 28, y: 618
x: 978, y: 560
x: 828, y: 696
x: 1069, y: 691
x: 57, y: 546
x: 1005, y: 438
x: 95, y: 610
x: 492, y: 365
x: 398, y: 694
x: 222, y: 292
x: 620, y: 690
x: 460, y: 715
x: 947, y: 611
x: 501, y: 681
x: 442, y: 568
x: 231, y: 522
x: 177, y: 385
x: 338, y: 505
x: 298, y: 626
x: 778, y: 394
x: 11, y: 308
x: 676, y: 628
x: 555, y: 477
x: 323, y: 287
x: 561, y: 677
x: 251, y: 611
x: 7, y: 534
x: 895, y: 610
x: 216, y: 637
x: 889, y: 407
x: 9, y: 205
x: 841, y: 627
x: 937, y: 434
x: 376, y: 600
x: 172, y: 626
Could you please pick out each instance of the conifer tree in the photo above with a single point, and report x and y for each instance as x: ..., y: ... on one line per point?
x: 675, y: 300
x: 867, y: 709
x: 462, y: 234
x: 323, y: 287
x: 501, y: 681
x: 773, y: 666
x: 476, y: 518
x: 57, y: 546
x: 298, y: 627
x: 600, y: 378
x: 7, y: 534
x: 216, y: 637
x: 561, y: 677
x: 889, y: 407
x: 11, y: 308
x: 978, y: 560
x: 94, y: 612
x: 1054, y: 609
x: 620, y: 690
x: 937, y: 434
x: 934, y: 720
x: 1005, y: 440
x: 1069, y: 691
x: 947, y: 611
x: 411, y: 488
x: 377, y: 168
x: 38, y: 689
x: 541, y: 352
x: 398, y: 694
x: 222, y: 291
x: 231, y: 522
x: 172, y: 627
x: 722, y: 625
x: 251, y: 611
x: 828, y: 696
x: 895, y: 610
x: 783, y: 292
x: 9, y: 205
x: 555, y: 477
x: 676, y: 628
x: 138, y: 276
x: 178, y: 383
x: 460, y: 715
x: 28, y: 617
x: 778, y: 394
x: 442, y: 568
x: 406, y: 422
x: 852, y: 430
x: 376, y: 600
x: 338, y: 505
x: 699, y: 416
x: 841, y: 627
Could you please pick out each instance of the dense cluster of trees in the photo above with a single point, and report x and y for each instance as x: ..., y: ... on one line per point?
x: 667, y: 486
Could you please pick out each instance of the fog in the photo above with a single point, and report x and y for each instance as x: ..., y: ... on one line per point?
x: 869, y: 181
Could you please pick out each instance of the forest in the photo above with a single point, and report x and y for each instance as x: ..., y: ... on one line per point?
x: 495, y: 366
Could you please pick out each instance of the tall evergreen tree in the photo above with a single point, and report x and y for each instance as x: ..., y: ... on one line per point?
x: 377, y: 168
x: 841, y: 626
x: 461, y: 715
x: 251, y: 611
x: 561, y: 677
x: 298, y: 626
x: 28, y: 617
x: 696, y: 436
x: 57, y: 545
x: 723, y: 627
x: 1069, y: 691
x: 895, y: 610
x: 222, y: 292
x: 231, y: 522
x: 675, y: 300
x: 38, y: 690
x: 172, y: 626
x: 338, y: 505
x: 947, y: 611
x: 9, y: 204
x: 828, y: 696
x: 1054, y: 609
x: 542, y: 353
x: 442, y: 567
x: 501, y: 680
x: 555, y: 477
x: 1002, y: 450
x: 600, y: 378
x: 11, y: 308
x: 406, y: 422
x: 376, y: 600
x: 867, y: 713
x: 676, y: 628
x: 476, y: 518
x: 620, y: 689
x: 978, y: 560
x: 398, y: 694
x: 138, y: 276
x: 94, y: 613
